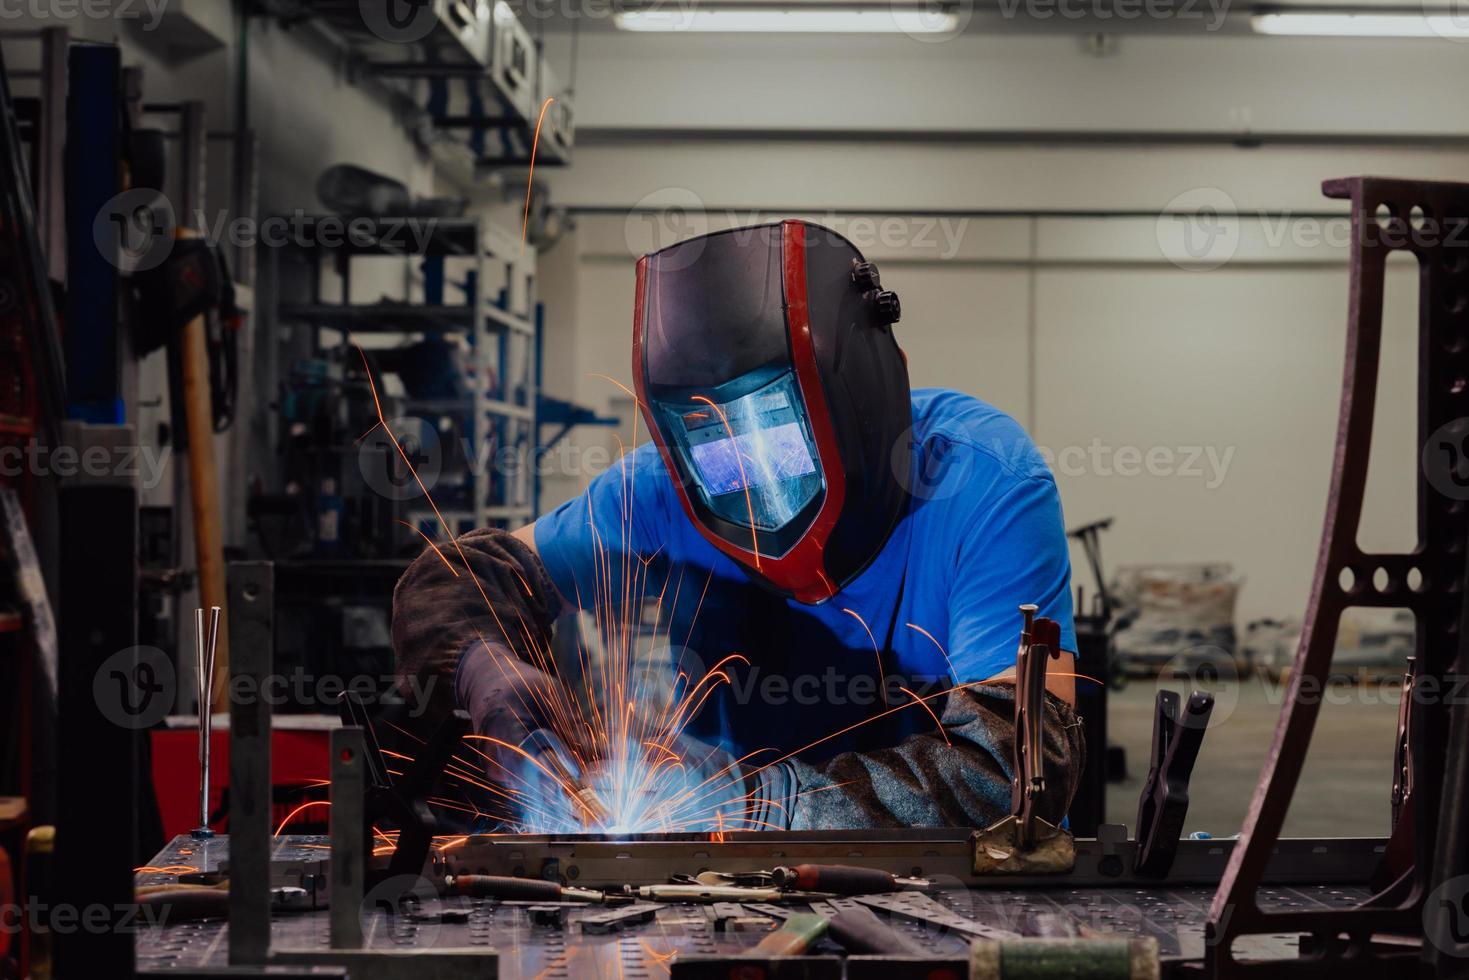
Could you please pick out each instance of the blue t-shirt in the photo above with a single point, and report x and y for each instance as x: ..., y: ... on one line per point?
x: 983, y: 534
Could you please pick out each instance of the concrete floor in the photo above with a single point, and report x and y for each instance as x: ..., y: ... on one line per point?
x: 1343, y: 791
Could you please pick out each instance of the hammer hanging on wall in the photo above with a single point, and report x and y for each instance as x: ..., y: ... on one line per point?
x: 187, y: 301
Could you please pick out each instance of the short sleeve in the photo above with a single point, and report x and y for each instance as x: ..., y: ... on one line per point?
x: 1014, y: 551
x: 583, y: 542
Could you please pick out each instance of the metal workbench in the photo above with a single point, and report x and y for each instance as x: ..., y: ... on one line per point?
x: 1100, y: 894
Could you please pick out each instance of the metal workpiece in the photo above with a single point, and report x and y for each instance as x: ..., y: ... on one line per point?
x: 252, y: 625
x: 348, y: 837
x: 945, y: 855
x: 917, y: 907
x: 613, y: 920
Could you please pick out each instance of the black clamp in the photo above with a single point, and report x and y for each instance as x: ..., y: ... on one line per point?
x: 1164, y: 801
x: 402, y: 801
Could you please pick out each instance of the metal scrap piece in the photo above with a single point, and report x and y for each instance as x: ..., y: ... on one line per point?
x: 613, y: 920
x: 918, y: 907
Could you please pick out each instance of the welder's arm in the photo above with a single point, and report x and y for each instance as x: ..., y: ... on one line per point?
x: 957, y: 778
x: 485, y: 591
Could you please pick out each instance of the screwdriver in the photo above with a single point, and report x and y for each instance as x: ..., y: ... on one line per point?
x: 843, y: 879
x: 518, y: 889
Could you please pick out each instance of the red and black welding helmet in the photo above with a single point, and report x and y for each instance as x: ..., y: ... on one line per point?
x: 767, y: 370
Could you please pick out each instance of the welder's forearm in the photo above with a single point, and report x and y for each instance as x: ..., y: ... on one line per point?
x: 931, y: 781
x: 1060, y: 677
x: 527, y: 535
x: 504, y: 696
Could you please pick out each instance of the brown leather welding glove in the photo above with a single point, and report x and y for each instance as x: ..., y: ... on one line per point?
x: 960, y: 778
x: 486, y: 586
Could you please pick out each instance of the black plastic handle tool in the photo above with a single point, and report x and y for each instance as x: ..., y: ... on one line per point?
x: 1163, y: 804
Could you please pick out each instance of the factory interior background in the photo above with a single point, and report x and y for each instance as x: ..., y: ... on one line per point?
x: 1104, y: 218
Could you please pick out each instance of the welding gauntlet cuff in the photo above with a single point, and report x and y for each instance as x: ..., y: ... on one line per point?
x: 488, y: 585
x: 957, y: 778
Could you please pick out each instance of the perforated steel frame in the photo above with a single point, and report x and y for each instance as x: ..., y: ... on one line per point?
x: 1342, y: 939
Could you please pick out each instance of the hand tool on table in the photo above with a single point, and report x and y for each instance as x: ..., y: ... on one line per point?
x: 852, y: 926
x: 206, y: 642
x: 520, y: 889
x: 1024, y: 841
x: 842, y: 879
x: 1163, y: 804
x: 796, y: 935
x: 682, y: 892
x: 184, y: 902
x: 745, y: 879
x: 1040, y: 640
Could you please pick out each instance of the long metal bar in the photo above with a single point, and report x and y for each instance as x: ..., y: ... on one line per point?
x: 252, y: 623
x: 348, y: 830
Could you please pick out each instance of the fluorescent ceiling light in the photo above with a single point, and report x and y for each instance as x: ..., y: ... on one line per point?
x: 1320, y: 24
x: 796, y: 20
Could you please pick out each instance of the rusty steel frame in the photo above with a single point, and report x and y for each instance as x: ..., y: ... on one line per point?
x: 1340, y: 943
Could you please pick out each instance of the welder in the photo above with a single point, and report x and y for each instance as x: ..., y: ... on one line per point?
x: 861, y: 547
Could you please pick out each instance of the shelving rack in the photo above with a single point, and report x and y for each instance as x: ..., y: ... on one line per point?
x: 497, y: 316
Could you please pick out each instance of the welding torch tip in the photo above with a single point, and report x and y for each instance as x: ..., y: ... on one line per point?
x: 593, y: 809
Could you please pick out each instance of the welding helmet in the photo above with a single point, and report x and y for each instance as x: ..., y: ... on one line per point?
x: 767, y: 370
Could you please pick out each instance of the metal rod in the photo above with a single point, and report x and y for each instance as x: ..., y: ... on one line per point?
x: 205, y: 644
